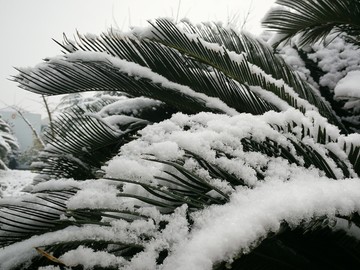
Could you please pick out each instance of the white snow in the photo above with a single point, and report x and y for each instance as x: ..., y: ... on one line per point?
x: 349, y: 85
x: 339, y: 60
x: 223, y: 232
x: 336, y: 58
x: 13, y: 181
x: 128, y: 106
x: 90, y: 258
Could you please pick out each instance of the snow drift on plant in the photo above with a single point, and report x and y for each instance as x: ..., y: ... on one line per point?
x: 288, y: 193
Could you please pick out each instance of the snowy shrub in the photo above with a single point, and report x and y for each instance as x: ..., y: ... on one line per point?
x: 225, y: 159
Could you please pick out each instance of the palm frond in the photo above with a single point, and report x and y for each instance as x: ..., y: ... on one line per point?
x: 319, y: 247
x: 81, y: 144
x: 176, y: 67
x: 80, y: 141
x: 33, y: 215
x: 313, y: 20
x: 327, y: 137
x: 97, y: 73
x: 261, y: 55
x: 208, y: 73
x: 248, y: 65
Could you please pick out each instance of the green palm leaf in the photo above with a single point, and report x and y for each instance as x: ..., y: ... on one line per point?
x: 33, y: 215
x: 314, y: 20
x: 176, y: 67
x: 89, y: 74
x: 184, y: 60
x: 77, y: 146
x: 259, y: 54
x: 239, y: 66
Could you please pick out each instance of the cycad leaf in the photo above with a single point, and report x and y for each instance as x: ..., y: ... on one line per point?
x: 315, y: 19
x: 81, y: 144
x: 90, y: 71
x: 239, y: 66
x: 35, y: 215
x: 178, y: 68
x: 262, y: 55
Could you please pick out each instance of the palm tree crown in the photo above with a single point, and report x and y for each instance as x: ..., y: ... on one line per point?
x: 215, y: 148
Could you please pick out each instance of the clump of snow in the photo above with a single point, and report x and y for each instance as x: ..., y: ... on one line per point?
x: 90, y: 258
x: 336, y: 62
x: 95, y: 194
x: 12, y: 182
x: 349, y: 85
x: 50, y: 267
x: 292, y: 58
x: 128, y: 168
x: 336, y: 58
x: 122, y: 122
x: 224, y: 232
x: 129, y: 107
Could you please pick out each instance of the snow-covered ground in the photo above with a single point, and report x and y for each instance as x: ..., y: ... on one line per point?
x: 13, y: 181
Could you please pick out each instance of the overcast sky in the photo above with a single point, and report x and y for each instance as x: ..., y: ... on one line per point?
x: 28, y: 26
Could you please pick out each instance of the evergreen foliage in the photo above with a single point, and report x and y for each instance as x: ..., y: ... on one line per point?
x: 210, y: 117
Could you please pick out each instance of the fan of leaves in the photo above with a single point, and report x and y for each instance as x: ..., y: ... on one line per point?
x: 189, y: 69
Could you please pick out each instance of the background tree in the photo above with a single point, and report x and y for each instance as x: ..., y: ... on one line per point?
x: 8, y: 145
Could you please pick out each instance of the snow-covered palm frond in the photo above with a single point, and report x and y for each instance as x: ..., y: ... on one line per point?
x: 315, y: 19
x: 166, y: 188
x: 257, y: 55
x: 33, y: 215
x: 333, y: 69
x: 194, y: 73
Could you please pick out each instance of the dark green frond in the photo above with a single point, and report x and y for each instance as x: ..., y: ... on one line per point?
x: 246, y: 67
x: 81, y: 145
x: 77, y: 75
x: 33, y: 216
x: 315, y: 19
x: 80, y: 142
x: 262, y: 55
x: 320, y: 247
x: 179, y: 68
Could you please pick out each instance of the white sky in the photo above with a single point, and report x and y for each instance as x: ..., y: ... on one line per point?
x: 28, y: 26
